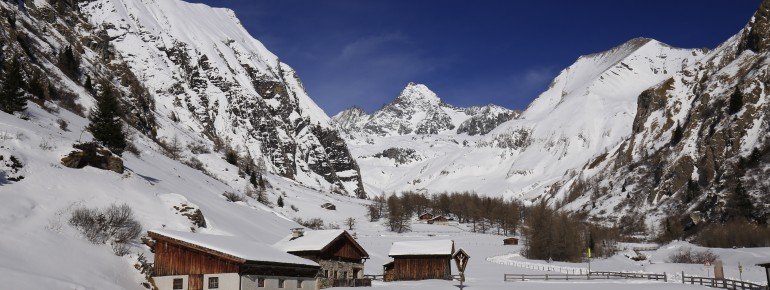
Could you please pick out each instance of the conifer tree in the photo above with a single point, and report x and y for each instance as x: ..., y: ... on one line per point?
x: 12, y: 97
x: 106, y: 125
x: 88, y: 85
x: 739, y: 205
x: 68, y: 62
x: 280, y: 201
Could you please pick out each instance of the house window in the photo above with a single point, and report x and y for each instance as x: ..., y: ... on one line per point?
x: 326, y: 273
x: 344, y: 274
x: 260, y: 282
x: 178, y: 283
x: 281, y: 283
x: 299, y: 283
x: 213, y: 282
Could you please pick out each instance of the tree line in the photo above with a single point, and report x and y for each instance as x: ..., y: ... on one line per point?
x: 483, y: 213
x: 547, y: 233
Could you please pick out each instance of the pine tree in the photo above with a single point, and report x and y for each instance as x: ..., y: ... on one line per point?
x: 12, y: 97
x: 739, y: 205
x: 68, y: 62
x: 106, y: 125
x: 280, y: 201
x: 88, y: 85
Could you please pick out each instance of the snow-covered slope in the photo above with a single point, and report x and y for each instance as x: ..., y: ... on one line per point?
x: 588, y: 109
x: 698, y: 140
x: 210, y: 78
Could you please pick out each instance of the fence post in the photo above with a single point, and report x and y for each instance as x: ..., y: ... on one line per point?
x: 682, y: 277
x: 665, y: 277
x: 546, y: 277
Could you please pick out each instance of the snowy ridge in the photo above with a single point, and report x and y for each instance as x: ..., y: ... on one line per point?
x: 695, y: 139
x: 588, y: 109
x: 419, y: 111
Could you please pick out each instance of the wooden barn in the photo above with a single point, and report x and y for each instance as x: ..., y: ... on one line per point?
x: 439, y: 220
x: 420, y: 260
x: 190, y: 261
x: 340, y: 256
x: 425, y: 216
x: 511, y: 241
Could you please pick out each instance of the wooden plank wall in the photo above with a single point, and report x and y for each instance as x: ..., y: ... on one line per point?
x: 343, y: 248
x: 421, y: 267
x: 171, y: 259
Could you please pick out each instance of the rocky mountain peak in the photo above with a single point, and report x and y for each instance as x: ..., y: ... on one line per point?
x: 756, y: 35
x: 415, y: 93
x: 418, y: 110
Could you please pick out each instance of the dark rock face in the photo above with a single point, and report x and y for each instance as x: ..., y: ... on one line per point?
x: 756, y: 36
x: 91, y: 154
x: 485, y: 119
x: 10, y: 169
x: 399, y: 155
x: 341, y: 167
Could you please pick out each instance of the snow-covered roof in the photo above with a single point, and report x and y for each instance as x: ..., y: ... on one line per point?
x: 309, y: 241
x: 237, y: 247
x: 422, y: 248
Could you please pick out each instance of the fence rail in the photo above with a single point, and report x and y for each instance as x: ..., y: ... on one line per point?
x: 590, y: 276
x: 374, y: 277
x: 722, y: 283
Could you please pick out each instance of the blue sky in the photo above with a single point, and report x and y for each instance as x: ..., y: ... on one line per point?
x: 363, y: 52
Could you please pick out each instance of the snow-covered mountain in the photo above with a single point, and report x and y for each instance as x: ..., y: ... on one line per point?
x: 418, y: 110
x: 698, y: 146
x: 212, y: 80
x: 589, y: 108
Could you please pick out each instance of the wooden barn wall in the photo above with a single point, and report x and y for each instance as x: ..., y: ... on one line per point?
x: 343, y: 248
x: 421, y: 267
x: 171, y: 259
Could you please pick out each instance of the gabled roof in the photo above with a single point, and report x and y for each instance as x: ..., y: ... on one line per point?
x: 231, y: 248
x: 316, y: 241
x: 422, y: 248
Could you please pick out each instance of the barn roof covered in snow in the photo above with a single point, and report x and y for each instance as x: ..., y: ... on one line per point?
x: 234, y: 248
x: 422, y: 248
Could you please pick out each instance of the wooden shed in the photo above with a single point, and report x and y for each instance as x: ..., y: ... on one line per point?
x: 420, y: 260
x: 511, y: 241
x: 425, y: 216
x: 439, y: 220
x: 339, y: 254
x: 190, y: 261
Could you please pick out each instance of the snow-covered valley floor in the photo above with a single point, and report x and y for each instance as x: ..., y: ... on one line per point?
x: 40, y: 250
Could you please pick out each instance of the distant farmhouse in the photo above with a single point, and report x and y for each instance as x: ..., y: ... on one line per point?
x: 340, y: 256
x: 425, y: 216
x: 419, y: 260
x: 191, y: 261
x: 511, y: 241
x: 441, y: 220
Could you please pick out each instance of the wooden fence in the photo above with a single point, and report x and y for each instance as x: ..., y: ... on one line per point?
x: 374, y: 277
x: 722, y: 283
x: 590, y: 276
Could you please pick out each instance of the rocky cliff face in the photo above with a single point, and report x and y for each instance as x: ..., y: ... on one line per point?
x: 699, y: 142
x: 190, y: 72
